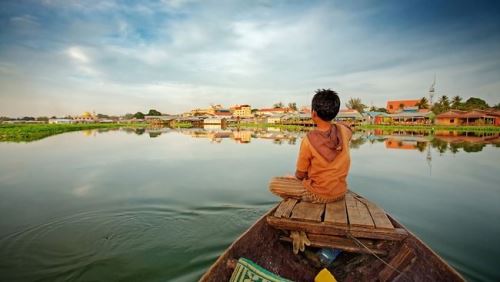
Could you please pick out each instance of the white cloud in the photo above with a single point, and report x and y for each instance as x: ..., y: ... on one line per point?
x: 174, y: 55
x: 77, y: 54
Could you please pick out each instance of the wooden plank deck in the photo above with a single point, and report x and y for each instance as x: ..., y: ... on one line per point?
x: 308, y: 211
x: 285, y: 208
x: 335, y: 213
x: 354, y: 216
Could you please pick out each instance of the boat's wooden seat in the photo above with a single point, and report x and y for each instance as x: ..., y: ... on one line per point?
x: 335, y: 224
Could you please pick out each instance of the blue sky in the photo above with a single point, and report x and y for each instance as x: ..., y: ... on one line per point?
x: 62, y: 57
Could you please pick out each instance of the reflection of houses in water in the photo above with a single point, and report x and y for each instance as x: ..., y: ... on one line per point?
x: 400, y: 144
x: 469, y: 137
x: 406, y: 143
x: 242, y: 136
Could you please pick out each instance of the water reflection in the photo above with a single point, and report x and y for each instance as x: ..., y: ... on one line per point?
x: 442, y: 141
x: 419, y: 140
x: 149, y: 203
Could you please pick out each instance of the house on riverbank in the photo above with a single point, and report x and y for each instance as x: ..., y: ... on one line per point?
x: 350, y: 116
x: 474, y: 117
x: 60, y: 121
x: 375, y: 117
x: 420, y: 117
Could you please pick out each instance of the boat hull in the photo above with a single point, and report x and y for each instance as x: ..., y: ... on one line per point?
x: 261, y: 244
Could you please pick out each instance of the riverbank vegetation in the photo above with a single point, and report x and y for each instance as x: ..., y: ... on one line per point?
x: 32, y: 132
x: 431, y: 127
x: 267, y: 125
x: 182, y: 125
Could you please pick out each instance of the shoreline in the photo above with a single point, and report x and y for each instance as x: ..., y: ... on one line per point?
x: 430, y: 127
x: 32, y: 132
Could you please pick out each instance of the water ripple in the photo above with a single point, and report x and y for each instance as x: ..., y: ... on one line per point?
x: 110, y: 244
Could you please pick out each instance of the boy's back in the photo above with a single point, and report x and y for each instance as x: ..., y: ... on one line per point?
x: 324, y: 160
x: 324, y: 155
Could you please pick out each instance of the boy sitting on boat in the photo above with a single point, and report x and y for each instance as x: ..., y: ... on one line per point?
x: 323, y: 162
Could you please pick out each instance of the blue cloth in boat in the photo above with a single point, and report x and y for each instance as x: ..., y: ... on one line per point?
x: 248, y: 271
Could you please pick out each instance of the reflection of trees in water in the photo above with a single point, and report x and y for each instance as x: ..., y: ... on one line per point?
x: 454, y: 147
x: 358, y: 142
x: 440, y: 145
x: 139, y: 131
x: 278, y: 141
x: 421, y: 146
x: 472, y: 147
x: 154, y: 134
x: 103, y: 130
x: 292, y: 140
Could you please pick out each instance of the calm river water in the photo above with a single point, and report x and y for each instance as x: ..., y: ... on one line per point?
x: 161, y: 205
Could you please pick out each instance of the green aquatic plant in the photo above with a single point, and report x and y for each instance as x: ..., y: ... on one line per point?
x: 33, y: 132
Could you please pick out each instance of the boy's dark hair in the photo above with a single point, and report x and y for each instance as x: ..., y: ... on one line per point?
x: 326, y: 103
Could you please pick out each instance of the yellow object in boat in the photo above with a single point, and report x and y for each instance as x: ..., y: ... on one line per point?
x: 324, y: 276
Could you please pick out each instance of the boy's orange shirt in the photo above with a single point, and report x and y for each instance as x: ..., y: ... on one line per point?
x: 325, y: 179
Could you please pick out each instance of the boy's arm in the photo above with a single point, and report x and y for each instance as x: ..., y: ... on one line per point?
x: 303, y: 160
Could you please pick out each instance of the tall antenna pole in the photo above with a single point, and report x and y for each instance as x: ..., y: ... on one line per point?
x: 432, y: 91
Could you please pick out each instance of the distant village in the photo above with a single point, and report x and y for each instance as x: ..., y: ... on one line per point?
x: 474, y: 112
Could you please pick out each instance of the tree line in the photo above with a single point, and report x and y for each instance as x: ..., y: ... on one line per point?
x: 442, y: 105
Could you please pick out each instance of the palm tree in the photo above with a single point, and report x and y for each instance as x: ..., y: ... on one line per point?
x: 356, y: 104
x: 456, y: 102
x: 423, y: 103
x: 278, y: 105
x: 444, y: 101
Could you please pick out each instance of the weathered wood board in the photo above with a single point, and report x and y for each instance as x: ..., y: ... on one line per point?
x: 285, y: 208
x: 357, y: 212
x: 399, y: 262
x: 335, y: 213
x: 325, y: 241
x: 379, y: 216
x: 331, y: 229
x: 308, y: 211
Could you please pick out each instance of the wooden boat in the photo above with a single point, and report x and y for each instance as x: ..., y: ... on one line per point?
x: 372, y: 254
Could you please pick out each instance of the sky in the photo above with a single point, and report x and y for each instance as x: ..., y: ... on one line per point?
x: 60, y: 57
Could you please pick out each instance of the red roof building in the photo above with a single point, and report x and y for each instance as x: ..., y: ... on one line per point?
x: 399, y: 105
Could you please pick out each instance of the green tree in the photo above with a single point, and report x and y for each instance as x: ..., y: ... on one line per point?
x: 497, y: 106
x: 139, y: 115
x: 128, y: 116
x: 292, y: 106
x: 375, y: 109
x: 102, y: 116
x: 154, y: 112
x: 46, y: 119
x: 445, y: 102
x: 356, y: 104
x: 278, y: 105
x: 475, y: 103
x: 423, y: 103
x: 456, y: 102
